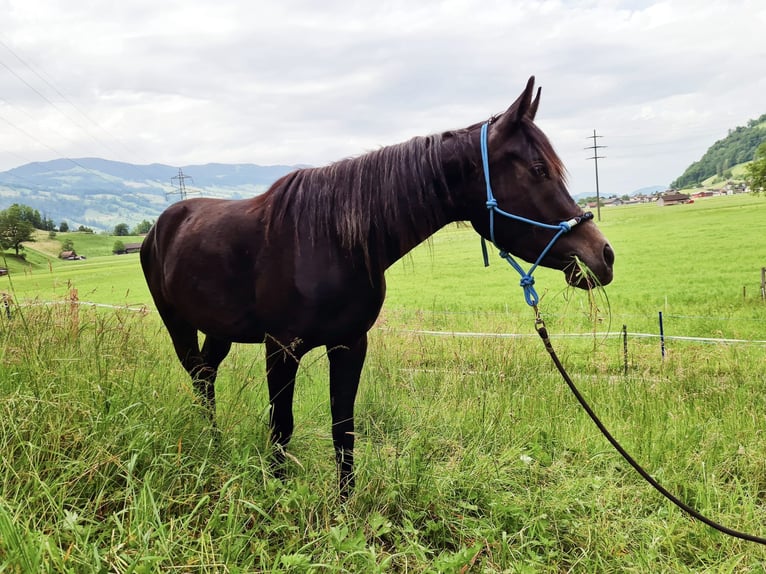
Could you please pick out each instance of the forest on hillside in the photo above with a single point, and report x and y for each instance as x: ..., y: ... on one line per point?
x: 738, y: 147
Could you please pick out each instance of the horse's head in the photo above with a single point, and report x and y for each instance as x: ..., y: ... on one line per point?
x: 528, y: 180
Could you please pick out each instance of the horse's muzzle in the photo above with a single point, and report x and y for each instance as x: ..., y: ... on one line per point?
x: 587, y: 271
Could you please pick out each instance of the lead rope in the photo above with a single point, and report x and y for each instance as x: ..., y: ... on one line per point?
x: 530, y: 295
x: 543, y: 332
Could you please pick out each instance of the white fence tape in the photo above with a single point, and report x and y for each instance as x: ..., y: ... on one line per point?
x: 599, y: 334
x: 466, y: 334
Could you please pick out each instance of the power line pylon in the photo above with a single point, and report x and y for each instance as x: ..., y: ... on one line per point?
x: 179, y: 181
x: 595, y: 147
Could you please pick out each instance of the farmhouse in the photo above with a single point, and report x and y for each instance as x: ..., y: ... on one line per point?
x: 129, y: 248
x: 673, y: 198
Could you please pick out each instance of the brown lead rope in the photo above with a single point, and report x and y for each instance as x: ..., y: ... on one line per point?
x: 543, y: 332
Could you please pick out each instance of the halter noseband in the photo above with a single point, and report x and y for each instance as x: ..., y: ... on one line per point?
x: 527, y: 281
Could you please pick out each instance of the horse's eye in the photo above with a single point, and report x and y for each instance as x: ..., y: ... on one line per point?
x: 540, y: 170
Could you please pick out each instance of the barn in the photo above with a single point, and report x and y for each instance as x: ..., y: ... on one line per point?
x: 673, y: 199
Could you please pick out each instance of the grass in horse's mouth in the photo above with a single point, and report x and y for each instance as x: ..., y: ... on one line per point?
x: 585, y: 279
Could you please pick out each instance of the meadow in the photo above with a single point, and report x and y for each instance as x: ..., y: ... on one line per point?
x: 472, y: 455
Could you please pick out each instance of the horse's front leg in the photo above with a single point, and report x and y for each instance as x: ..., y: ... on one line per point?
x: 281, y: 366
x: 346, y: 363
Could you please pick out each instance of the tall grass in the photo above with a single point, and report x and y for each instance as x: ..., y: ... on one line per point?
x: 472, y: 456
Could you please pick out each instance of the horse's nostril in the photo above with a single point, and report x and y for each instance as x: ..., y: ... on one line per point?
x: 608, y: 255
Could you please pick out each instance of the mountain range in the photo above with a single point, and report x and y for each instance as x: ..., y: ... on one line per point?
x: 99, y: 193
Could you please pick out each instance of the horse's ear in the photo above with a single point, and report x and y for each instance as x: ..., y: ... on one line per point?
x: 523, y: 106
x: 535, y: 104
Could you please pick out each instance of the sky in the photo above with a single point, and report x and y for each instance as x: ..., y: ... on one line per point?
x: 186, y: 82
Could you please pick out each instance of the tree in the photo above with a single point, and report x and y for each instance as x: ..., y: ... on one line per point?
x: 63, y: 227
x: 47, y: 224
x: 121, y: 230
x: 119, y: 247
x: 755, y: 172
x: 28, y: 214
x: 142, y: 228
x: 14, y: 228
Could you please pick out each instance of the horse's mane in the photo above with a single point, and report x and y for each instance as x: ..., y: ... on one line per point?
x: 393, y: 192
x: 389, y: 193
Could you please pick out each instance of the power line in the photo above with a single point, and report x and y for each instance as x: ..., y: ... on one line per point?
x: 52, y: 104
x: 33, y: 138
x: 595, y: 147
x: 58, y: 92
x: 33, y: 119
x: 75, y: 107
x: 34, y: 185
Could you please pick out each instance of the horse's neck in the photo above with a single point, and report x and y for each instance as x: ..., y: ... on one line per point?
x: 444, y: 206
x: 398, y: 245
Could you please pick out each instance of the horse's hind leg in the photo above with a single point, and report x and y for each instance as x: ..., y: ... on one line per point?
x: 281, y: 367
x: 213, y: 352
x: 202, y: 366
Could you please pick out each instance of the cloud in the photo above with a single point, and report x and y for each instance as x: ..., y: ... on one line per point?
x: 301, y: 82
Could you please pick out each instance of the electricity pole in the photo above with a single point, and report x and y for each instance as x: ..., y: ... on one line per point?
x: 595, y: 147
x: 181, y: 189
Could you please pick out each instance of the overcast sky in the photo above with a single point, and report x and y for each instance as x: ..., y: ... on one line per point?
x: 298, y: 81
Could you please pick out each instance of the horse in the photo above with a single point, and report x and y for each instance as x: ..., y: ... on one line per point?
x: 303, y: 264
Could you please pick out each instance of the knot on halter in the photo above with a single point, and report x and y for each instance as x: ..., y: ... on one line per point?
x: 527, y: 281
x: 530, y: 295
x: 491, y: 203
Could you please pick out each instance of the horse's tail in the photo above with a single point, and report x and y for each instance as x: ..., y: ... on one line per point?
x: 147, y: 251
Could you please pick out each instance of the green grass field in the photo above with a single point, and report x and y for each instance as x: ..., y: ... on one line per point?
x: 472, y: 456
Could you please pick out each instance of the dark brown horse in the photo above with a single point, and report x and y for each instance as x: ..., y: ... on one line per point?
x: 303, y: 264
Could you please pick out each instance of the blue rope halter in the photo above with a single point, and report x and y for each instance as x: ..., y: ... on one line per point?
x: 527, y: 281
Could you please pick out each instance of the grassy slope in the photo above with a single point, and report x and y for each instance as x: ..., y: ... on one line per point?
x: 716, y: 181
x: 107, y: 467
x: 101, y: 278
x: 85, y: 244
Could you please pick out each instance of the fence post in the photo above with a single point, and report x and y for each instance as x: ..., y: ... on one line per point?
x: 625, y: 347
x: 7, y: 305
x: 763, y: 283
x: 662, y: 337
x: 74, y: 311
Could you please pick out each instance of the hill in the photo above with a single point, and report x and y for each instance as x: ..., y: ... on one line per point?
x: 100, y: 193
x: 735, y: 149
